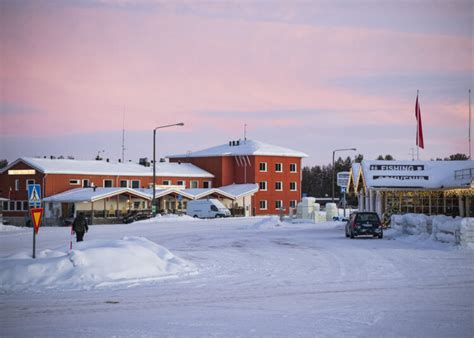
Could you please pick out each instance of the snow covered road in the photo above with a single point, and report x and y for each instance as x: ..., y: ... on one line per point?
x: 255, y: 279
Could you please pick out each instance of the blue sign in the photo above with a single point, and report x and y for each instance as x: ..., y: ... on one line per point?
x: 180, y: 198
x: 34, y: 195
x: 343, y: 189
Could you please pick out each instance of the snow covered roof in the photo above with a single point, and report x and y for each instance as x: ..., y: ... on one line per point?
x: 240, y: 190
x: 354, y: 176
x: 418, y: 174
x: 89, y: 167
x: 233, y: 192
x: 91, y: 195
x: 247, y: 147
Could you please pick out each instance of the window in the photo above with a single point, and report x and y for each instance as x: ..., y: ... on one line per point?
x: 86, y: 183
x: 278, y: 167
x: 75, y: 182
x: 108, y: 184
x: 194, y: 184
x: 278, y: 204
x: 136, y: 205
x: 293, y: 186
x: 293, y: 204
x: 28, y: 182
x: 181, y: 183
x: 206, y: 184
x: 25, y: 205
x: 263, y: 166
x: 12, y: 206
x: 5, y: 206
x: 166, y: 182
x: 19, y: 205
x: 17, y: 184
x: 123, y: 184
x: 263, y: 185
x: 292, y: 167
x: 278, y: 186
x: 136, y: 184
x: 263, y: 205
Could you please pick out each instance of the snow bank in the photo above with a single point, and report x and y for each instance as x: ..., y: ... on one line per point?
x: 440, y: 227
x: 268, y: 222
x: 92, y: 264
x: 4, y: 228
x: 168, y: 218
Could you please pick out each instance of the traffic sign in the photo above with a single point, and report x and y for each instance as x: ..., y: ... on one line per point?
x: 34, y: 195
x: 343, y: 189
x: 343, y: 178
x: 36, y: 215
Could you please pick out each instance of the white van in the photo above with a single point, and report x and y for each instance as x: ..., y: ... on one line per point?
x: 210, y: 208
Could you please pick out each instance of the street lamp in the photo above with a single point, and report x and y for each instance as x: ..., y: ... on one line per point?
x: 334, y: 169
x: 153, y: 201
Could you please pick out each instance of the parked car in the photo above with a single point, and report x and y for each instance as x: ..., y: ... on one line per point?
x: 210, y: 208
x: 364, y: 223
x: 340, y: 219
x: 136, y: 215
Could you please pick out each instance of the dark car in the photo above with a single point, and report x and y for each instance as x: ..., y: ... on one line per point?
x: 136, y: 215
x: 364, y: 223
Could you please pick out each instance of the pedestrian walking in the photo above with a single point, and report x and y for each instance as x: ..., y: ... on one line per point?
x: 80, y: 227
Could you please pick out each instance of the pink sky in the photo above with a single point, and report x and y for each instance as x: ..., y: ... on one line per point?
x: 310, y: 77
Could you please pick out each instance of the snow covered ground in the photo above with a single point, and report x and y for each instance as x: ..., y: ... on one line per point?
x: 233, y: 277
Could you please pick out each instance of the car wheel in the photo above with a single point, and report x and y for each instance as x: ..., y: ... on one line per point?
x: 195, y: 216
x: 218, y: 216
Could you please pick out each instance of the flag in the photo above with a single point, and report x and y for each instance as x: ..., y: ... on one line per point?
x: 419, y: 126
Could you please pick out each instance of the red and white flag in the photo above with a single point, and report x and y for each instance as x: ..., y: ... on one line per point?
x: 419, y: 129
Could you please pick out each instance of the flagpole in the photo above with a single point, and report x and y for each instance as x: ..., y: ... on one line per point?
x: 469, y: 123
x: 417, y: 129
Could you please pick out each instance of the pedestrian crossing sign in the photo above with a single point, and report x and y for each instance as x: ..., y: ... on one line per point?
x: 34, y: 195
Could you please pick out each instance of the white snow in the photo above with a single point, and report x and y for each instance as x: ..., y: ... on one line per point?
x: 91, y: 264
x: 92, y: 167
x: 256, y: 277
x: 245, y: 148
x: 419, y: 174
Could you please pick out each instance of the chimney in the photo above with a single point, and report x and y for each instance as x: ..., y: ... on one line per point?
x: 119, y: 160
x: 230, y: 143
x: 238, y: 142
x: 108, y: 160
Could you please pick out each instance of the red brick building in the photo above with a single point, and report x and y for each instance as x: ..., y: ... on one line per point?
x: 59, y: 175
x: 276, y: 170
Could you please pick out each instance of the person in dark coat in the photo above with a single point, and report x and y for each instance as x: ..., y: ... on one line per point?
x: 79, y: 226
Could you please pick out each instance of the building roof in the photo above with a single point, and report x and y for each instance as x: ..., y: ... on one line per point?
x: 247, y: 147
x: 418, y: 174
x: 233, y: 192
x: 92, y: 167
x: 92, y: 195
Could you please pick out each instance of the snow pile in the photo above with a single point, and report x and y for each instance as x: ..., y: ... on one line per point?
x: 269, y: 222
x: 446, y: 229
x: 92, y: 264
x: 440, y: 227
x: 467, y: 232
x: 4, y: 228
x: 168, y: 218
x: 412, y: 224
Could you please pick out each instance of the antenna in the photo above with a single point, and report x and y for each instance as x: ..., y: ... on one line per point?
x: 412, y: 153
x: 469, y: 123
x: 123, y: 135
x: 245, y: 132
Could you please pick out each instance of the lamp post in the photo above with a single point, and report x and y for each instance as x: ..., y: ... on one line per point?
x: 153, y: 200
x: 334, y: 169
